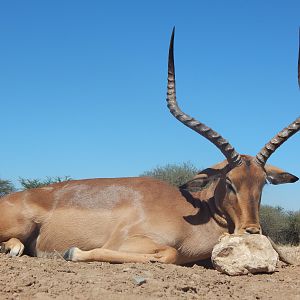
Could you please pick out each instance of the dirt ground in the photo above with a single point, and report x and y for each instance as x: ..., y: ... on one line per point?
x: 39, y: 278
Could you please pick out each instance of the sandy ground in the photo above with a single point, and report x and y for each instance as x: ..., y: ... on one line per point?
x: 39, y: 278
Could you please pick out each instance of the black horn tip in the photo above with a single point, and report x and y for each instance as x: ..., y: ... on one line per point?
x: 171, y: 67
x: 172, y: 38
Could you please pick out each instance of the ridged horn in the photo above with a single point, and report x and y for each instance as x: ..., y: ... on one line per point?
x: 283, y: 135
x: 277, y: 141
x: 233, y: 158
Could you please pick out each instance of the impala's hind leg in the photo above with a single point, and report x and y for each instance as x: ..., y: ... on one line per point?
x: 16, y: 225
x: 137, y: 250
x: 166, y: 255
x: 13, y: 247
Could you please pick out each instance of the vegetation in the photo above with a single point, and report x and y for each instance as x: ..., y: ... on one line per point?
x: 176, y: 174
x: 281, y: 225
x: 6, y: 187
x: 35, y: 183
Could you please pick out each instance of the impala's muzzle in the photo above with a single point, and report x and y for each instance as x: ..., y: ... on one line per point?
x: 248, y: 229
x: 253, y: 230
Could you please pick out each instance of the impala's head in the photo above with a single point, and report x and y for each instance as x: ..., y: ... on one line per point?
x: 241, y: 178
x: 242, y: 190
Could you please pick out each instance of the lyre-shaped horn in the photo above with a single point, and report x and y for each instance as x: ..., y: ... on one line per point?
x: 223, y: 145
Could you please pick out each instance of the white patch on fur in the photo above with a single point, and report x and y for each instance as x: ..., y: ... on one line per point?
x: 106, y: 198
x: 84, y: 196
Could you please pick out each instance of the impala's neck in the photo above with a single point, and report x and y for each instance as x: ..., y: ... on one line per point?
x: 206, y: 201
x: 205, y: 225
x: 217, y: 215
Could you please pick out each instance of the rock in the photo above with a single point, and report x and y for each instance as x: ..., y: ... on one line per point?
x: 139, y: 280
x: 127, y: 270
x: 243, y: 254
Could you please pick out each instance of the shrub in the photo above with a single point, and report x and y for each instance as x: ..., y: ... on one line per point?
x: 175, y: 174
x: 274, y: 222
x: 6, y: 187
x: 35, y: 183
x: 293, y: 231
x: 282, y: 226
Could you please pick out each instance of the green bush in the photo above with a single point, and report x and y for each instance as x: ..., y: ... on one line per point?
x: 175, y: 174
x: 293, y: 231
x: 35, y: 183
x: 274, y: 222
x: 282, y: 226
x: 6, y: 187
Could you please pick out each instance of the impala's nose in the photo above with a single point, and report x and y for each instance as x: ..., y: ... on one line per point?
x: 252, y: 230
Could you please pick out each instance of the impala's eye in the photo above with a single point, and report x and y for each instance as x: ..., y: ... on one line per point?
x: 230, y: 187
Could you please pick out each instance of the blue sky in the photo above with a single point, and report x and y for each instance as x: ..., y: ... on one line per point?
x: 83, y: 85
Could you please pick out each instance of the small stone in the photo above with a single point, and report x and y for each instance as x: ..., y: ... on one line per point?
x: 127, y: 270
x: 243, y: 254
x: 139, y: 280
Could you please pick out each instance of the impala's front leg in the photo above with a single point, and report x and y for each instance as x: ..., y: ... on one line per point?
x: 13, y: 247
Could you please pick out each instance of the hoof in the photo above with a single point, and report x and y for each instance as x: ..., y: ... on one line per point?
x: 13, y: 247
x: 69, y: 254
x: 2, y: 248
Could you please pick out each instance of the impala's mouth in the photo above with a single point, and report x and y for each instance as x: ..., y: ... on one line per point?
x: 251, y: 229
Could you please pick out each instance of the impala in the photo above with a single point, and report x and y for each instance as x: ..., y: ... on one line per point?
x: 144, y: 219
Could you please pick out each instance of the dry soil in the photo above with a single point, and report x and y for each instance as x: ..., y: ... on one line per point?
x: 40, y: 278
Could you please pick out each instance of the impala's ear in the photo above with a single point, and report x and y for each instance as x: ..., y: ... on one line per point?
x: 199, y: 183
x: 205, y: 178
x: 196, y: 184
x: 278, y: 176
